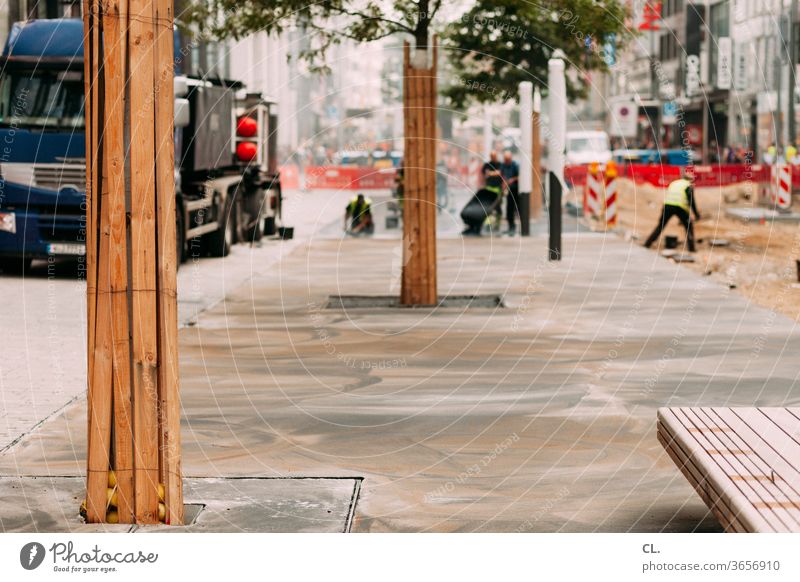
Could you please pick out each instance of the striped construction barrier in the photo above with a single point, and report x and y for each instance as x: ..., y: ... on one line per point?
x: 592, y: 193
x: 781, y: 184
x: 611, y: 195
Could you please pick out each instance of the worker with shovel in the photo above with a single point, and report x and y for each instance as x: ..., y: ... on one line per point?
x: 678, y: 201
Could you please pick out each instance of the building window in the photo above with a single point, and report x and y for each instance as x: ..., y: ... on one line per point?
x: 796, y: 41
x: 719, y: 24
x: 668, y: 46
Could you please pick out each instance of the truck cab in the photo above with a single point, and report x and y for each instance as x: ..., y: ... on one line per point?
x: 221, y: 198
x: 42, y: 143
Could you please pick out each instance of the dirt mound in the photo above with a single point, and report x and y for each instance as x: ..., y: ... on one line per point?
x: 759, y: 260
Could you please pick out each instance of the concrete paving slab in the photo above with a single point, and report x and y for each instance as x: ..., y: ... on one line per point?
x: 767, y: 214
x: 247, y: 505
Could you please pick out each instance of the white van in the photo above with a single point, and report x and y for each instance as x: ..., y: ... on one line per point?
x: 585, y: 147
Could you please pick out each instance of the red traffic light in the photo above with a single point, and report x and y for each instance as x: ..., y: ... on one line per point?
x: 246, y: 151
x: 246, y: 127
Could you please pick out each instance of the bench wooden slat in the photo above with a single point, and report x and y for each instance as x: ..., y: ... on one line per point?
x: 743, y: 462
x: 788, y: 420
x: 704, y: 488
x: 727, y: 466
x: 770, y: 444
x: 740, y: 515
x: 764, y: 495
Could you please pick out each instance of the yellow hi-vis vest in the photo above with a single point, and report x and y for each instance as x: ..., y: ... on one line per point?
x: 353, y: 208
x: 676, y: 194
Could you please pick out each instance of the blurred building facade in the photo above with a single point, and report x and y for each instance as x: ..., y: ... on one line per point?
x: 337, y: 109
x: 716, y: 73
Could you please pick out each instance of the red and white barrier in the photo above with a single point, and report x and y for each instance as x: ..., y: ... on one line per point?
x: 781, y: 181
x: 611, y: 195
x: 338, y: 178
x: 705, y: 176
x: 593, y: 192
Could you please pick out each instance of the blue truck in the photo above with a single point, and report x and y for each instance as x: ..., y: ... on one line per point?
x: 220, y: 199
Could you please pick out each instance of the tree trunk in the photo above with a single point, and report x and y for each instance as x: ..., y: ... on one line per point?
x: 419, y: 182
x: 131, y: 259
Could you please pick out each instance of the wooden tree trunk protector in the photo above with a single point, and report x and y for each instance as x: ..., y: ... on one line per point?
x: 133, y: 400
x: 536, y: 191
x: 419, y: 167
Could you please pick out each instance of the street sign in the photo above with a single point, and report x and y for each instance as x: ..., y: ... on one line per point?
x: 694, y: 133
x: 610, y: 50
x: 651, y: 16
x: 692, y: 75
x: 740, y: 68
x: 724, y: 50
x: 623, y: 119
x: 669, y: 113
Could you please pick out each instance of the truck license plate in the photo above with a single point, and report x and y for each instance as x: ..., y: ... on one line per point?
x: 66, y: 249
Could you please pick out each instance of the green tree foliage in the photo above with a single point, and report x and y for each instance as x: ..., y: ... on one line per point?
x: 498, y: 43
x: 327, y: 22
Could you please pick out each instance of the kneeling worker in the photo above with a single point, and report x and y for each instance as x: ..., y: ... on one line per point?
x: 358, y: 216
x: 678, y: 201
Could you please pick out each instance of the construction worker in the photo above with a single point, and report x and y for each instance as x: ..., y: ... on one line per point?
x: 791, y: 154
x: 678, y: 201
x: 493, y: 182
x: 770, y: 156
x: 358, y: 216
x: 492, y: 178
x: 509, y: 169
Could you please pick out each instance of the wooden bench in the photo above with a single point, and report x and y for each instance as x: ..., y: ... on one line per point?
x: 743, y: 462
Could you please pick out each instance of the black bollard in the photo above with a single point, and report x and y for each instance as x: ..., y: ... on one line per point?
x: 524, y: 210
x: 554, y: 210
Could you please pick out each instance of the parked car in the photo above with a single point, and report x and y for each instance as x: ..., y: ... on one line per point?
x: 585, y: 147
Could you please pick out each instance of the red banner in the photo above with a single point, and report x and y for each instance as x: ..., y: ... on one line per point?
x: 662, y: 175
x: 337, y: 178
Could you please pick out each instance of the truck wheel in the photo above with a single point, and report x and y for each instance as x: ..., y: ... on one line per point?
x: 15, y: 265
x: 220, y: 242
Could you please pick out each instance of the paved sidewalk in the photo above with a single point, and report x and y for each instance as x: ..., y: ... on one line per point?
x: 43, y: 321
x: 539, y: 416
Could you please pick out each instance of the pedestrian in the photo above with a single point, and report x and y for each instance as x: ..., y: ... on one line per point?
x: 509, y: 170
x: 358, y: 216
x: 730, y: 155
x: 678, y: 201
x: 442, y: 200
